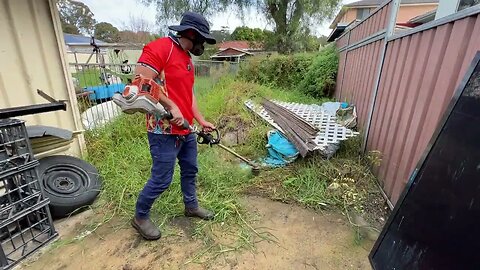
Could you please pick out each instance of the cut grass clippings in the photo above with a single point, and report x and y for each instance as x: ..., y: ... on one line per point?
x: 120, y: 152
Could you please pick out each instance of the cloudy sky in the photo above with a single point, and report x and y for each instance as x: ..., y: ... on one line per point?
x: 118, y: 11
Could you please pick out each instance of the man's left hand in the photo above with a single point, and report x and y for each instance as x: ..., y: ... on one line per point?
x: 207, y: 127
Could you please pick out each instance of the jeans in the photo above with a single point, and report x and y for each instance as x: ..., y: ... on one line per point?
x: 165, y: 149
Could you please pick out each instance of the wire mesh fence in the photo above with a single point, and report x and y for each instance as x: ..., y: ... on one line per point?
x: 95, y: 85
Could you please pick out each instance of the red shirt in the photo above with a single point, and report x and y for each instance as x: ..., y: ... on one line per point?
x: 166, y: 54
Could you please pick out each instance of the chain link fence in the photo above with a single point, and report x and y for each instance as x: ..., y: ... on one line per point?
x: 95, y: 85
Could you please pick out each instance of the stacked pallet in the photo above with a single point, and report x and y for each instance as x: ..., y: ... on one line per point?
x: 25, y: 221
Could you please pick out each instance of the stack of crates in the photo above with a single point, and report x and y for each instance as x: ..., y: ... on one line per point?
x: 25, y: 221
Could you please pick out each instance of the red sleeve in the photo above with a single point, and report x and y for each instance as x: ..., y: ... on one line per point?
x: 152, y: 56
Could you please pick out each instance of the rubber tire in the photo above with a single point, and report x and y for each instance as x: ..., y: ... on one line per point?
x: 69, y: 182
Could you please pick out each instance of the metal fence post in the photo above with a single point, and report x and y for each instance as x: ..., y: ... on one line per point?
x: 392, y: 20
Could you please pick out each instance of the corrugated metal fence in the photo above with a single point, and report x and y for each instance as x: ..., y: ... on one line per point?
x: 402, y: 83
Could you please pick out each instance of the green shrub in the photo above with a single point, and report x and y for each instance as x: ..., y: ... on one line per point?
x: 321, y: 76
x: 285, y: 71
x: 312, y: 74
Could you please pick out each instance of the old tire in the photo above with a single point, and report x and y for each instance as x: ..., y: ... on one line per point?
x: 70, y: 183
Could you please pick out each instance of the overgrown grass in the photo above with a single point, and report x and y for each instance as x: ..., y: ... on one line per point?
x: 120, y: 152
x: 313, y: 74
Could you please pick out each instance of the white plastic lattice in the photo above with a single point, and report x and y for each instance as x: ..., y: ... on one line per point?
x: 330, y: 132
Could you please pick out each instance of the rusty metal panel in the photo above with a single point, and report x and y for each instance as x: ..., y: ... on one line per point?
x: 418, y: 79
x: 33, y: 57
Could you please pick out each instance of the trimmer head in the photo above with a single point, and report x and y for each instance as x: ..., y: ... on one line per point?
x: 255, y: 170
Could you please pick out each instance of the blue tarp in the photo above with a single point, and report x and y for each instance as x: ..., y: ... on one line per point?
x: 280, y: 150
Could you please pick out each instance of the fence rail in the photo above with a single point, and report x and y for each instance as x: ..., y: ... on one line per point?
x: 402, y: 83
x: 95, y: 85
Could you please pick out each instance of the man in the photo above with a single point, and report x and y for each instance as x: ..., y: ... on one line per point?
x: 168, y: 61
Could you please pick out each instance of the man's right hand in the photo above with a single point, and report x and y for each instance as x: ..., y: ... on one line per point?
x: 177, y: 116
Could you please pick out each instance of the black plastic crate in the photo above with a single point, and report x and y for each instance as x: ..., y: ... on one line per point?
x: 25, y: 234
x: 20, y: 191
x: 15, y: 149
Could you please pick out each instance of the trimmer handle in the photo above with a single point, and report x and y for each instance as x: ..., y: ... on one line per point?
x: 208, y: 138
x: 186, y: 124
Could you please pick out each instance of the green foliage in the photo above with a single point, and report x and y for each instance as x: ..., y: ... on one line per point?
x: 320, y: 78
x: 312, y: 74
x: 70, y: 29
x: 279, y: 71
x: 76, y: 17
x: 248, y: 34
x: 290, y: 17
x: 209, y: 51
x: 106, y: 32
x: 221, y: 35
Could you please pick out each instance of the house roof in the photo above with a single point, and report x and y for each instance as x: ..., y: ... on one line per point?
x: 239, y: 44
x: 71, y: 39
x: 424, y: 18
x: 374, y: 3
x: 231, y: 52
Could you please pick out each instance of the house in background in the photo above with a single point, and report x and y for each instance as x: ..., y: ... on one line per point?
x: 235, y: 51
x: 445, y: 8
x: 359, y: 10
x: 81, y: 50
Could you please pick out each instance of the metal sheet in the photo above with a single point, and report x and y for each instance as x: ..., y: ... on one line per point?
x: 33, y: 57
x: 434, y: 225
x: 370, y: 25
x: 357, y: 83
x: 419, y: 75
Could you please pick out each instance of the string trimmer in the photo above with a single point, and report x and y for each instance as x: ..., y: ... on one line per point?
x: 210, y: 139
x: 142, y: 96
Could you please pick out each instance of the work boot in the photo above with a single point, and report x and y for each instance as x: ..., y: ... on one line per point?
x: 146, y: 228
x: 200, y: 213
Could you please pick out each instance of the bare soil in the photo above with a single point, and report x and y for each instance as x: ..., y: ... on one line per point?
x: 305, y: 239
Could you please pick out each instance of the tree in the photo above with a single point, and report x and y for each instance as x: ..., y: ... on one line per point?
x: 221, y: 35
x: 292, y: 17
x: 137, y: 30
x: 248, y: 34
x: 288, y: 16
x: 76, y: 17
x: 106, y: 32
x: 70, y: 29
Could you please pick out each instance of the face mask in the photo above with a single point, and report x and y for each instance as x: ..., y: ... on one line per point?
x: 197, y: 49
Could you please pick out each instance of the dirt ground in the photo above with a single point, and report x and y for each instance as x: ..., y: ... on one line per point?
x: 305, y: 240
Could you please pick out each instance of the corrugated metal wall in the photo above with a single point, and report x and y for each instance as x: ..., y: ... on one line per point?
x: 374, y: 23
x: 358, y: 66
x: 419, y: 75
x: 32, y: 56
x: 360, y: 69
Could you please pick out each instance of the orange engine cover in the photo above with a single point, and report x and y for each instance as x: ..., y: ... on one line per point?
x: 142, y: 86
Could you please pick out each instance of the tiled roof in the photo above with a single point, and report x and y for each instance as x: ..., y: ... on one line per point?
x: 237, y: 44
x: 79, y: 39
